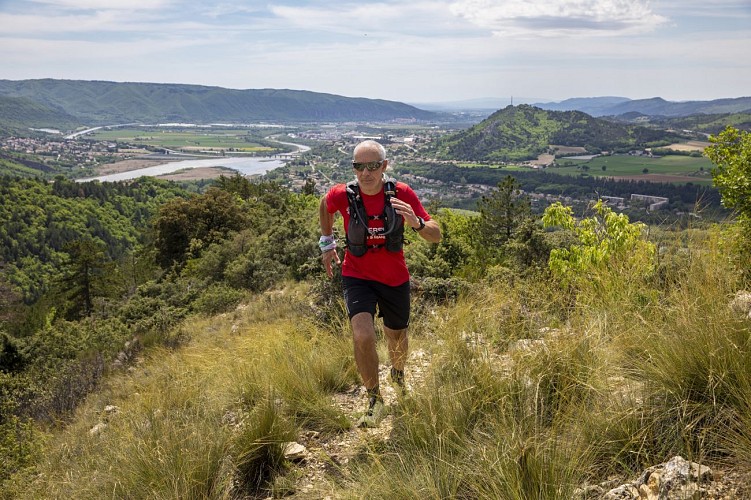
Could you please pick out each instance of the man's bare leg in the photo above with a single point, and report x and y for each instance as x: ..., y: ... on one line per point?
x: 366, y: 355
x: 398, y: 345
x: 366, y: 358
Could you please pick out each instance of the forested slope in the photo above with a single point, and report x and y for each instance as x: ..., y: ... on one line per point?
x: 24, y: 112
x: 107, y: 103
x: 523, y: 132
x: 39, y: 220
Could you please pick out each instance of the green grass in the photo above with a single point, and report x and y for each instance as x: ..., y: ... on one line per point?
x: 210, y: 139
x: 633, y: 166
x: 208, y: 420
x: 533, y: 389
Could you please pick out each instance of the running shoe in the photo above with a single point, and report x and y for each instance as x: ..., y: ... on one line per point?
x: 374, y: 415
x: 397, y: 378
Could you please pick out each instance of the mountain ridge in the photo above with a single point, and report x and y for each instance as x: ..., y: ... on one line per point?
x: 99, y: 102
x: 523, y: 132
x: 653, y: 106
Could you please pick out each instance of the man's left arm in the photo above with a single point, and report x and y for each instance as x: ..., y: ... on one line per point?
x: 430, y: 232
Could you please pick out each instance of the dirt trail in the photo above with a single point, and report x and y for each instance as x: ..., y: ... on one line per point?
x: 328, y: 456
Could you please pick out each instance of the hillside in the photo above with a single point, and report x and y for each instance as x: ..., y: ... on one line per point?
x: 500, y: 405
x: 16, y: 112
x: 100, y: 103
x: 656, y: 106
x: 39, y: 221
x: 705, y: 123
x: 559, y: 361
x: 523, y: 132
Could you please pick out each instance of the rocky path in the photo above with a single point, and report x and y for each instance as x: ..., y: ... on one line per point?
x: 322, y: 457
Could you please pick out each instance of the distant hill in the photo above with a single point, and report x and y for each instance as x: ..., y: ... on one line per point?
x: 595, y: 106
x: 101, y: 103
x: 656, y: 106
x: 706, y: 123
x: 23, y: 112
x: 524, y: 132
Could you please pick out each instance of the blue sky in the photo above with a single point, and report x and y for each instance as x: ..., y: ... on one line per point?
x: 410, y: 51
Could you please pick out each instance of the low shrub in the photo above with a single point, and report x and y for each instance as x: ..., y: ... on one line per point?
x: 218, y: 298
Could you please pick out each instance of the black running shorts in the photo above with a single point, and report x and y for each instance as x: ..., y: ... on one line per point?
x: 392, y: 301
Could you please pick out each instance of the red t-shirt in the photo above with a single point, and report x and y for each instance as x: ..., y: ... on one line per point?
x: 377, y: 264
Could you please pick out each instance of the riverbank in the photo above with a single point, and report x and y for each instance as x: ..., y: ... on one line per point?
x: 160, y: 168
x: 195, y: 174
x: 190, y: 167
x: 191, y: 174
x: 127, y: 165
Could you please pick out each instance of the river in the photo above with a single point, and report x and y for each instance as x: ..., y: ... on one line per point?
x: 251, y: 165
x: 246, y: 166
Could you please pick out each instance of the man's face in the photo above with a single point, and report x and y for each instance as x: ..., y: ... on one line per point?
x: 370, y: 180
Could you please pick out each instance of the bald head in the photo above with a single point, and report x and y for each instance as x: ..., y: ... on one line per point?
x: 369, y: 148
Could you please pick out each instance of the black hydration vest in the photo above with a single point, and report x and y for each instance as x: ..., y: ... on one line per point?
x: 357, y: 229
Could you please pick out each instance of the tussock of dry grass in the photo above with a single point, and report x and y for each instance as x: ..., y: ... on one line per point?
x: 207, y: 420
x: 531, y: 393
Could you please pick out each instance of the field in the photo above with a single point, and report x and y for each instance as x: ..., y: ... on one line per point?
x: 662, y: 169
x: 235, y: 140
x: 689, y: 146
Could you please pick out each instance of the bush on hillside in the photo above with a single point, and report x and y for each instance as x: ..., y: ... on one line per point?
x: 602, y: 238
x: 218, y: 298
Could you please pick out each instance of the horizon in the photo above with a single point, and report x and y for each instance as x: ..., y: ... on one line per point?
x: 460, y: 50
x: 501, y: 100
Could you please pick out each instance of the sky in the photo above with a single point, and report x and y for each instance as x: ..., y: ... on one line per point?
x: 415, y: 51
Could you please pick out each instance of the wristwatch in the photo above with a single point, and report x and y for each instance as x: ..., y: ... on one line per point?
x: 422, y: 224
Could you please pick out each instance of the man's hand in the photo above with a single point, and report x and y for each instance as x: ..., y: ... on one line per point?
x: 431, y: 232
x: 405, y: 210
x: 330, y: 259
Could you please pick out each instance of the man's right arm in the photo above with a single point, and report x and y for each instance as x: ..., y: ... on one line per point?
x: 329, y: 257
x: 327, y: 219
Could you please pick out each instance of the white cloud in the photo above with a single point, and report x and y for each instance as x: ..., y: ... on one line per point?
x: 26, y: 24
x: 716, y: 8
x: 419, y: 51
x: 430, y: 18
x: 106, y: 4
x: 559, y: 17
x: 20, y: 51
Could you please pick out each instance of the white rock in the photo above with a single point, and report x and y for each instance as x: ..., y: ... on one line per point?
x: 294, y: 452
x: 741, y: 303
x: 626, y: 491
x: 97, y: 429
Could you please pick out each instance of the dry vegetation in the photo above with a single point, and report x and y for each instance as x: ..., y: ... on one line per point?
x: 516, y: 392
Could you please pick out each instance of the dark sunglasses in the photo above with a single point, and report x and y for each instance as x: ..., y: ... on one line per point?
x: 370, y: 165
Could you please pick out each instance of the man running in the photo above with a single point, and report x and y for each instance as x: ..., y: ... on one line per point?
x: 374, y: 272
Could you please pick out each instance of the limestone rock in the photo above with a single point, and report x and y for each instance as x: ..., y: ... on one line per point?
x: 97, y: 429
x: 673, y: 480
x: 741, y: 303
x: 295, y: 452
x: 626, y: 491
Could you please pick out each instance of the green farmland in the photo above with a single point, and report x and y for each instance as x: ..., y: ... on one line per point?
x: 235, y: 140
x: 672, y: 168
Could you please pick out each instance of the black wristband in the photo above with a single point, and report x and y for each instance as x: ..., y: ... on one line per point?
x: 422, y: 224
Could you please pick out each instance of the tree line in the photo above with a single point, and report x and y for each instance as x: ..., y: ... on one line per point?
x: 682, y: 196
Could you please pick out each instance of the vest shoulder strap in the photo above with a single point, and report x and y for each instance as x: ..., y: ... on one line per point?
x: 389, y: 190
x: 389, y: 187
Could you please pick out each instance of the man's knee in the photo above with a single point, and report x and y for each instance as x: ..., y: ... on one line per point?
x: 363, y: 330
x: 395, y: 335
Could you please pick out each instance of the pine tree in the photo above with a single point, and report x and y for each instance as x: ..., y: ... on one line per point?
x: 502, y: 212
